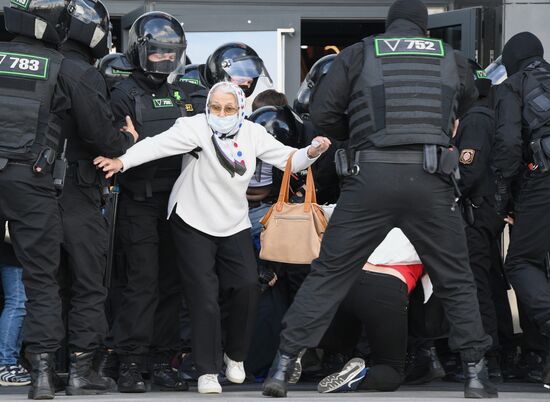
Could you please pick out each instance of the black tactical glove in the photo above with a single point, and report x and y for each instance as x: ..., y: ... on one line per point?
x: 503, y: 197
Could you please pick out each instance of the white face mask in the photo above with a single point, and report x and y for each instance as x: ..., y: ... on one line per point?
x: 223, y: 125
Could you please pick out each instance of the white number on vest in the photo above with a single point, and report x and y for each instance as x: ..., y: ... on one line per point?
x: 24, y: 64
x: 420, y: 44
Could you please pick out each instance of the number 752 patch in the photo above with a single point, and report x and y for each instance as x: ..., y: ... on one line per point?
x: 24, y: 65
x: 409, y: 46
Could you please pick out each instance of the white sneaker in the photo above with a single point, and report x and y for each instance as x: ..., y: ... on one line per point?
x: 234, y: 371
x: 208, y: 384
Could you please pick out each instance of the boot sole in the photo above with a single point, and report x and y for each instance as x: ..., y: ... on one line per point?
x: 479, y: 394
x: 132, y: 391
x: 274, y: 390
x: 431, y: 376
x: 14, y: 384
x: 296, y: 371
x: 82, y: 391
x: 39, y: 397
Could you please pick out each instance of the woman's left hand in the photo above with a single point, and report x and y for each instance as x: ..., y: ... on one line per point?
x: 318, y: 146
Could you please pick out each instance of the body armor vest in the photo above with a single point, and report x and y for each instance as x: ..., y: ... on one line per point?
x: 154, y: 115
x: 406, y: 93
x: 28, y: 76
x: 536, y: 100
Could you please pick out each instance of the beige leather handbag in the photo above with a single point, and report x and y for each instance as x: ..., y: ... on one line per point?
x: 293, y: 232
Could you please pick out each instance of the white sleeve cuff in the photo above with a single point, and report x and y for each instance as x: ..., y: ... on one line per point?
x: 301, y: 159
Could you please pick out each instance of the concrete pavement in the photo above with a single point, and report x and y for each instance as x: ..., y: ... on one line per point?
x: 436, y: 392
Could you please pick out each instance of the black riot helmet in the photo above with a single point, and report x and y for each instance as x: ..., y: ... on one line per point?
x: 237, y: 63
x: 317, y: 71
x: 193, y: 73
x: 90, y: 25
x: 115, y: 67
x: 156, y: 43
x: 45, y: 20
x: 282, y: 123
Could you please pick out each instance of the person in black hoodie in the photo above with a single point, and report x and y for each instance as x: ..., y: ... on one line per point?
x: 521, y: 163
x: 88, y: 131
x: 402, y: 100
x: 146, y: 322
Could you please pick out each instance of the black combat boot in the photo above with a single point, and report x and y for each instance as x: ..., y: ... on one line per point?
x: 545, y: 330
x: 167, y: 379
x: 129, y: 378
x: 424, y: 366
x: 83, y: 379
x: 477, y: 383
x: 107, y: 364
x: 279, y: 374
x: 42, y: 367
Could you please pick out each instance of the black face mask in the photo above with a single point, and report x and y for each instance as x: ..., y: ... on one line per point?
x: 157, y: 78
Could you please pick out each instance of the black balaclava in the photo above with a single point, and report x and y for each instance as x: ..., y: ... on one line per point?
x: 520, y: 48
x: 411, y: 10
x: 483, y: 86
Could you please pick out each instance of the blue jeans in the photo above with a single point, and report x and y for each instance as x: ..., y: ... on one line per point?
x: 255, y: 214
x: 13, y: 314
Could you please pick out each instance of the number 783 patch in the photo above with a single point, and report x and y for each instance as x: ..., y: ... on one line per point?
x: 24, y: 65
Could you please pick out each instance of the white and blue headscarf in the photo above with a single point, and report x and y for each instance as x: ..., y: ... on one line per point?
x: 227, y: 149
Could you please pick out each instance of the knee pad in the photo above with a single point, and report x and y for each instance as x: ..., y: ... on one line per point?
x: 382, y: 378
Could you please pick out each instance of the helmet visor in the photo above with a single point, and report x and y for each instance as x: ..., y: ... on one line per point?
x: 89, y: 11
x: 496, y: 71
x: 244, y: 70
x: 93, y: 12
x: 161, y: 58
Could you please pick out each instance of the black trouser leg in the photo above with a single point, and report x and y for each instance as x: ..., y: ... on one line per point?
x: 381, y: 302
x: 207, y: 265
x: 482, y: 241
x: 85, y: 242
x: 197, y: 262
x: 529, y: 243
x: 379, y: 198
x: 166, y: 334
x: 237, y: 269
x: 29, y: 204
x: 138, y: 233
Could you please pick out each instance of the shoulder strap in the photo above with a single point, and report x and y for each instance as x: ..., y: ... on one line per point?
x: 135, y: 93
x: 372, y: 72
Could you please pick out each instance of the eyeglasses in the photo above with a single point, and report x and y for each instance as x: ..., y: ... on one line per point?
x: 229, y: 110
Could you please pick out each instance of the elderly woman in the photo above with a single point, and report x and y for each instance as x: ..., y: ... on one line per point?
x: 208, y: 213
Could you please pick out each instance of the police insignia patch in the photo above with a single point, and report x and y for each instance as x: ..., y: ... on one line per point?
x: 467, y: 156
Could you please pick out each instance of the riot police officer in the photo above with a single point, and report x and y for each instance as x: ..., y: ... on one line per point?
x: 145, y: 321
x: 402, y: 97
x: 521, y: 162
x: 88, y: 131
x: 474, y: 141
x: 237, y: 63
x: 32, y: 97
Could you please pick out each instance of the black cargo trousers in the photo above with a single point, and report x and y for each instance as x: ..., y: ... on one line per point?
x: 29, y: 203
x: 486, y: 263
x: 84, y: 251
x: 529, y: 243
x: 147, y: 321
x: 380, y: 197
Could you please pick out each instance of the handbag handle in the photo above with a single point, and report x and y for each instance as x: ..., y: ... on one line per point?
x: 310, y: 196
